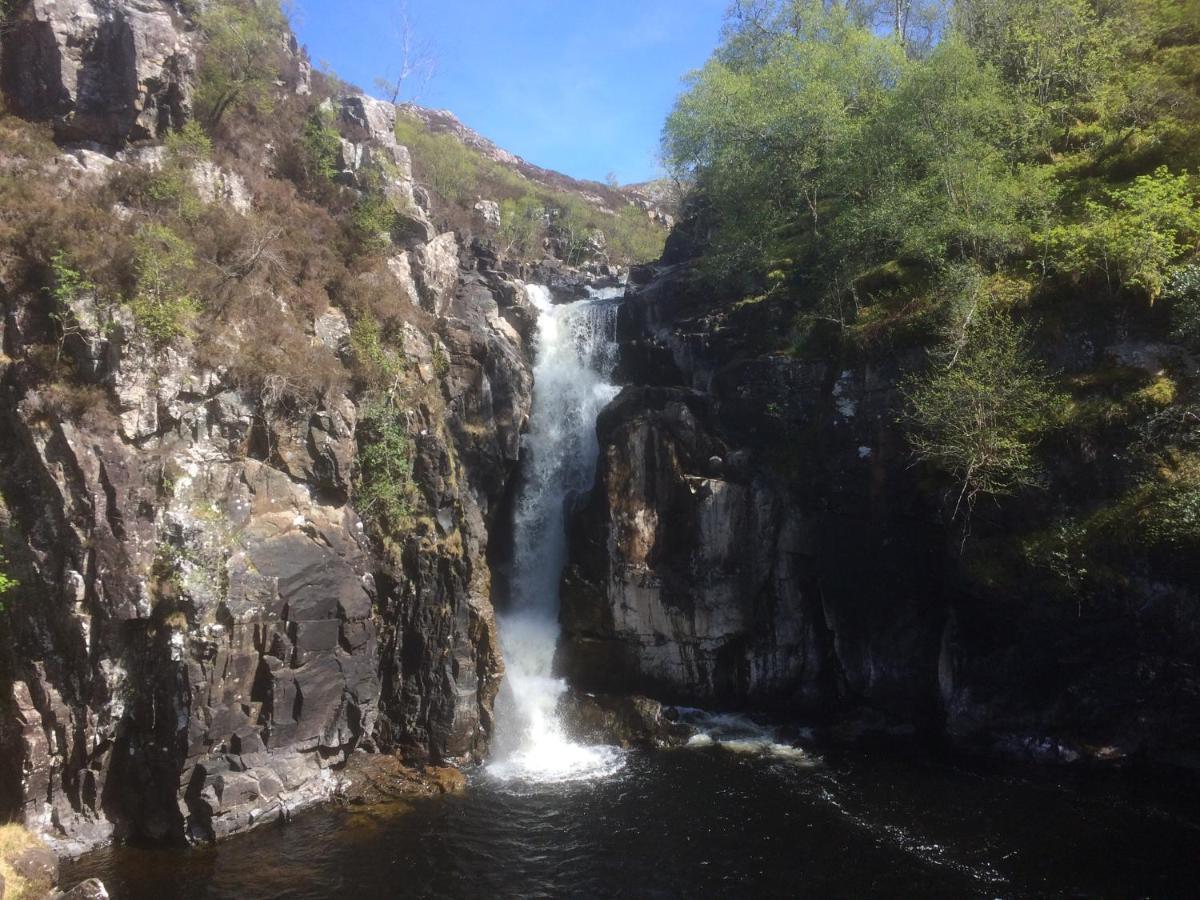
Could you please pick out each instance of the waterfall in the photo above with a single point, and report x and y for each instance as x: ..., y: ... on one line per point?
x: 575, y: 353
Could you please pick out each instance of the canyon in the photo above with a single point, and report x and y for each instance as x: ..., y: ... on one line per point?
x: 223, y: 616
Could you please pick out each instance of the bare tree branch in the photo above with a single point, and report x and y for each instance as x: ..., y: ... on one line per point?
x: 416, y: 60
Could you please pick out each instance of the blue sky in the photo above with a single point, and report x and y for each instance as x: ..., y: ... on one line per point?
x: 581, y: 86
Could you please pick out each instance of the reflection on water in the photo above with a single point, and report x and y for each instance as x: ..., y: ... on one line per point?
x: 727, y: 819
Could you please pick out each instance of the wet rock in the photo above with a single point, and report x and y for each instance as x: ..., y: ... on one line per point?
x: 92, y: 889
x: 685, y: 586
x: 627, y: 721
x: 446, y: 779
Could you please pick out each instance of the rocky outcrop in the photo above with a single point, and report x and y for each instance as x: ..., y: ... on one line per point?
x: 690, y: 580
x: 106, y: 71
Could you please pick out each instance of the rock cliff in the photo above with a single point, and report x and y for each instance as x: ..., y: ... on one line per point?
x: 760, y: 538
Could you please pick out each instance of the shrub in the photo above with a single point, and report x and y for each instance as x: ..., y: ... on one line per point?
x: 522, y: 223
x: 162, y: 304
x: 7, y: 582
x: 380, y: 366
x: 1133, y: 238
x: 1183, y: 290
x: 372, y: 221
x: 321, y: 144
x: 384, y: 484
x: 189, y: 144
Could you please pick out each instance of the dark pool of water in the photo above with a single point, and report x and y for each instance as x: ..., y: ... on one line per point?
x: 708, y: 821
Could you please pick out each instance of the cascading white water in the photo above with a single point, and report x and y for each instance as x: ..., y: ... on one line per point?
x: 574, y: 358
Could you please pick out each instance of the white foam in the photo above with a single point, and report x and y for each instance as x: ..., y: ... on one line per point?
x: 575, y: 356
x: 740, y: 734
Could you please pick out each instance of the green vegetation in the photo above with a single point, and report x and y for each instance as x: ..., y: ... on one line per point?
x: 321, y: 145
x: 530, y: 213
x: 379, y: 365
x: 383, y: 487
x: 7, y: 582
x: 162, y: 303
x: 977, y: 414
x: 240, y: 62
x: 172, y: 188
x: 1132, y: 239
x: 1030, y: 158
x: 447, y: 164
x: 1183, y: 290
x: 69, y: 282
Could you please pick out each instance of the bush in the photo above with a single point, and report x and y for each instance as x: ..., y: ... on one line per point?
x: 1183, y: 290
x: 380, y: 366
x: 321, y: 144
x: 1132, y: 239
x: 384, y: 484
x: 7, y: 582
x: 189, y: 144
x: 162, y: 304
x: 522, y: 225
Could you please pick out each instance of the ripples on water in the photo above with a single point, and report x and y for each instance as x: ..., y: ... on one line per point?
x: 741, y: 815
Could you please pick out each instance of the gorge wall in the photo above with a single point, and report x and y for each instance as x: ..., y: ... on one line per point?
x: 759, y: 537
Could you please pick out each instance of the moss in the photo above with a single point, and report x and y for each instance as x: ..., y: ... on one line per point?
x: 1159, y: 394
x: 14, y: 840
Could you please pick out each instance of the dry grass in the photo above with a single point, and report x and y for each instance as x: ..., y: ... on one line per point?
x: 14, y: 840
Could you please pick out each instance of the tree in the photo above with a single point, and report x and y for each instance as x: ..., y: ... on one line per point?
x: 764, y: 128
x: 980, y: 409
x: 415, y: 62
x: 240, y: 60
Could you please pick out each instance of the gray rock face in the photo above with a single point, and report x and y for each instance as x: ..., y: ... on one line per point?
x: 203, y: 634
x: 105, y: 70
x: 689, y: 578
x: 435, y: 266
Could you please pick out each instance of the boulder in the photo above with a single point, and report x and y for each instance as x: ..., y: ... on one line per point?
x: 37, y: 865
x: 488, y: 212
x: 627, y: 721
x: 92, y: 889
